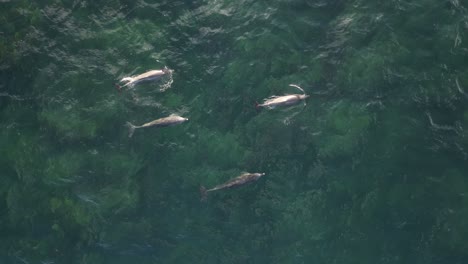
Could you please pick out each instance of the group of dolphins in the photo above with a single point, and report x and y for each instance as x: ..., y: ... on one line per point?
x: 173, y: 119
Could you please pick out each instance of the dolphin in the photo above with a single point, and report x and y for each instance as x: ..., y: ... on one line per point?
x: 240, y: 180
x: 283, y: 100
x: 161, y: 122
x: 147, y: 76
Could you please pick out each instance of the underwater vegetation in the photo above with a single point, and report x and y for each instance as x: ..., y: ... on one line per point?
x: 372, y: 170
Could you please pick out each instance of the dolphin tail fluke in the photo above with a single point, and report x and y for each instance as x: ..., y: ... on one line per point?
x: 203, y: 193
x: 131, y: 129
x: 257, y: 106
x: 118, y: 87
x: 127, y: 79
x: 129, y: 83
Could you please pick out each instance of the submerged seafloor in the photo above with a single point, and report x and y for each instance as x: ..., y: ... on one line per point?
x: 372, y: 170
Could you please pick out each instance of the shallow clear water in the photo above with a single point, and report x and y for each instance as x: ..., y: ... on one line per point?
x: 372, y: 169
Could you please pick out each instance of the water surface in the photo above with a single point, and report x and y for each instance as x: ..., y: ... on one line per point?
x: 372, y: 170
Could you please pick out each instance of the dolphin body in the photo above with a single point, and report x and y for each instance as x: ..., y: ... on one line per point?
x: 284, y: 100
x: 161, y: 122
x: 147, y: 76
x: 240, y: 180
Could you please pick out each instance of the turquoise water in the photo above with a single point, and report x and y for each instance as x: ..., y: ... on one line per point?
x: 372, y: 170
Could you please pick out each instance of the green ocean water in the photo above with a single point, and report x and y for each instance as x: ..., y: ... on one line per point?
x: 373, y: 169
